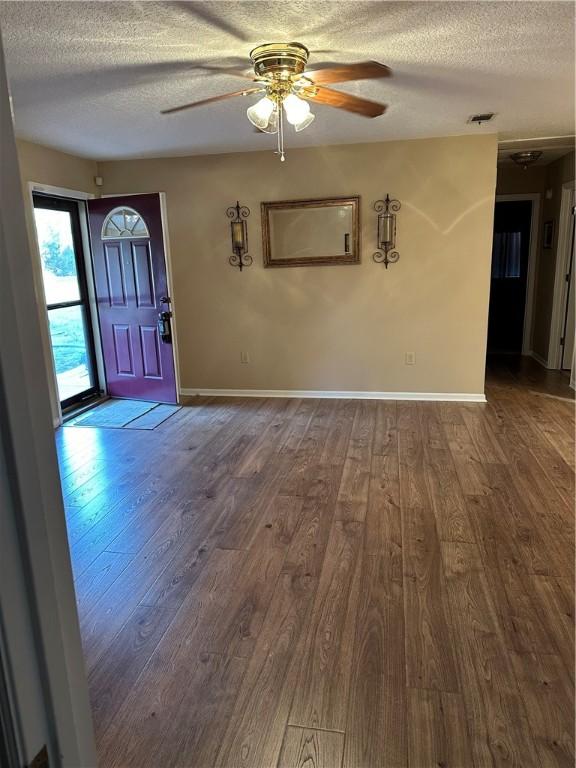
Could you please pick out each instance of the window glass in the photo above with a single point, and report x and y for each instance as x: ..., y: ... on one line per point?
x: 507, y: 255
x: 124, y: 222
x: 70, y: 350
x: 57, y: 255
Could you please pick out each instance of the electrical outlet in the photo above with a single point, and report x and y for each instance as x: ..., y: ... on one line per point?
x: 410, y: 358
x: 244, y: 357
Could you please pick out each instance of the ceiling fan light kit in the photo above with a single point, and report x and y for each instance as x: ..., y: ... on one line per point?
x: 280, y: 73
x: 281, y: 68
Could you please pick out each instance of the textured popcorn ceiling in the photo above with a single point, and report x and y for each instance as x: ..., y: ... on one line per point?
x: 91, y: 77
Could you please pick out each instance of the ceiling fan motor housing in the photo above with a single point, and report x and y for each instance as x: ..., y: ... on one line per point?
x: 279, y: 60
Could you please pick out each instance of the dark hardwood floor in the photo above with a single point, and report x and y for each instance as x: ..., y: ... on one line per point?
x: 330, y: 583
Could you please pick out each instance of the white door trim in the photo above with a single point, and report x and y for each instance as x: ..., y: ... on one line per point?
x: 71, y: 194
x: 535, y: 199
x: 169, y: 277
x: 49, y: 189
x: 562, y: 256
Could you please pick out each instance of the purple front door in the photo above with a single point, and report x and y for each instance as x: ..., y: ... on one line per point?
x: 132, y: 291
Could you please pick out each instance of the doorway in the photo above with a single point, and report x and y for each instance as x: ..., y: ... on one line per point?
x: 513, y: 220
x: 106, y: 278
x: 63, y: 264
x: 568, y: 329
x: 134, y: 298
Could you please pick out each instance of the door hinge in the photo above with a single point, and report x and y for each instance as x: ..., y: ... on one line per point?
x: 41, y: 759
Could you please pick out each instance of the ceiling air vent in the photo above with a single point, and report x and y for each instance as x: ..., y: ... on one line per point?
x: 484, y: 117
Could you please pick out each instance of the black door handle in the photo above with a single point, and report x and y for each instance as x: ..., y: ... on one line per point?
x: 164, y: 327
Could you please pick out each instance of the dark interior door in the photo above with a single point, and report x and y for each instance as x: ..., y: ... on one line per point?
x: 510, y: 252
x: 132, y: 292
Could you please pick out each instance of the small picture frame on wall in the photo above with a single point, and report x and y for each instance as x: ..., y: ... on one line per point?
x: 548, y: 234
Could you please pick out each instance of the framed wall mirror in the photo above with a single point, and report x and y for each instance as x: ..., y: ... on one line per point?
x: 301, y: 233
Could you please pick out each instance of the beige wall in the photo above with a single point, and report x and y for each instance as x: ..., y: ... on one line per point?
x: 546, y: 180
x: 513, y: 180
x: 48, y: 166
x: 332, y: 328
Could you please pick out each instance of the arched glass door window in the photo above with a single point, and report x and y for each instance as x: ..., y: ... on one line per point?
x: 124, y: 222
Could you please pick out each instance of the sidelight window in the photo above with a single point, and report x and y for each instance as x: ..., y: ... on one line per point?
x: 65, y: 288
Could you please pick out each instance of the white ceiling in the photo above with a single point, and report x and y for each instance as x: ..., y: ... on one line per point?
x: 91, y: 77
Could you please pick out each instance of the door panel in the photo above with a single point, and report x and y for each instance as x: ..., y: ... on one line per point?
x: 115, y: 280
x: 123, y: 354
x: 143, y: 274
x: 151, y: 352
x: 131, y: 280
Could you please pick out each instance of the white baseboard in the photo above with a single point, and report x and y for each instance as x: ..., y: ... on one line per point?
x: 459, y: 397
x: 538, y: 358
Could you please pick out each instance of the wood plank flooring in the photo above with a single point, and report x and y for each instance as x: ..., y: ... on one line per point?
x: 331, y: 584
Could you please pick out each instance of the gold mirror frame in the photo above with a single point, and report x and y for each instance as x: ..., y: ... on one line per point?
x: 325, y: 260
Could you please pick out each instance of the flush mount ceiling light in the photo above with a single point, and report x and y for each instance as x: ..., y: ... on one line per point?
x: 280, y: 74
x: 529, y: 157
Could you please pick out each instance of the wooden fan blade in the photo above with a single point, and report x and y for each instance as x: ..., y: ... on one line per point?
x: 212, y: 99
x: 341, y: 73
x: 332, y: 98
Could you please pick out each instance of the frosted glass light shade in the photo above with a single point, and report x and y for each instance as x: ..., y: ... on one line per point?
x: 296, y: 109
x: 272, y: 126
x: 259, y: 113
x: 305, y: 122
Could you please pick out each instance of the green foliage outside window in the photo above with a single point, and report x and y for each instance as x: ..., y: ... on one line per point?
x: 57, y: 259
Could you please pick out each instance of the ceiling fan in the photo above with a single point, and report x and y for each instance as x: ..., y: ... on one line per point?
x: 280, y: 73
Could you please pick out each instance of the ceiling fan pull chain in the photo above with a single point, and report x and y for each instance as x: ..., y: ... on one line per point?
x: 281, y: 133
x: 278, y: 129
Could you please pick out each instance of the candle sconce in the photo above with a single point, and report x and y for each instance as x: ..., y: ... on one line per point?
x: 239, y: 232
x: 386, y: 210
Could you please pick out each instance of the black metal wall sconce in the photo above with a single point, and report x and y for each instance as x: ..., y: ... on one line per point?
x: 386, y: 210
x: 239, y: 232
